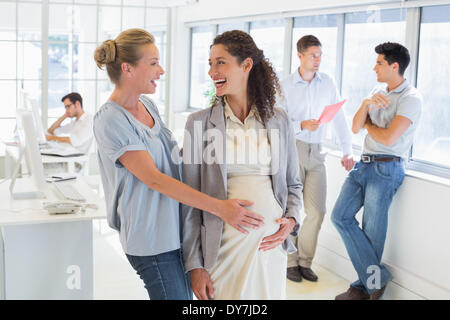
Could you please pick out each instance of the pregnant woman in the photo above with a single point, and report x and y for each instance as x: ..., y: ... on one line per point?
x: 247, y: 151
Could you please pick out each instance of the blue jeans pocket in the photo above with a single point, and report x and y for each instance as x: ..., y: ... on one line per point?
x: 384, y: 169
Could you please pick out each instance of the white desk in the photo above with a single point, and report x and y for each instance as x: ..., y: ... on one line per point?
x: 83, y: 160
x: 12, y: 154
x: 45, y: 256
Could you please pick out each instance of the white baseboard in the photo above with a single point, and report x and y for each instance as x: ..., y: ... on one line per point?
x: 331, y: 255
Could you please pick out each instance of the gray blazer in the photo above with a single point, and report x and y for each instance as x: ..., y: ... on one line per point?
x: 205, y: 134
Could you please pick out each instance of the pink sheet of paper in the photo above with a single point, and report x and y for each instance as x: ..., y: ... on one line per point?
x: 330, y: 111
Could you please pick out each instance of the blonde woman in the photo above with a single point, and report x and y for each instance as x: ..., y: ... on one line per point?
x: 140, y: 171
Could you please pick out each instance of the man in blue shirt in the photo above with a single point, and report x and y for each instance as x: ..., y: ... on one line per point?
x: 306, y: 93
x: 390, y: 115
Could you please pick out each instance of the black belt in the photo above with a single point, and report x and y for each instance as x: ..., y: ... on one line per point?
x: 368, y: 158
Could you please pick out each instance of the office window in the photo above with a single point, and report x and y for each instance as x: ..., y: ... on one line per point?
x: 20, y: 47
x: 114, y: 2
x: 201, y: 86
x: 87, y: 89
x: 8, y: 50
x: 324, y: 27
x: 221, y: 28
x: 135, y: 2
x: 155, y: 18
x: 105, y: 88
x: 83, y: 64
x: 159, y: 96
x: 155, y: 22
x: 432, y: 140
x: 70, y: 51
x: 7, y: 21
x: 363, y: 32
x: 109, y: 23
x: 269, y: 37
x: 29, y: 26
x: 9, y: 100
x: 85, y: 22
x: 29, y: 52
x: 74, y: 33
x: 132, y: 17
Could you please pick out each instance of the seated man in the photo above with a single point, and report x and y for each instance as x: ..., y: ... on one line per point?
x: 79, y: 131
x: 390, y: 115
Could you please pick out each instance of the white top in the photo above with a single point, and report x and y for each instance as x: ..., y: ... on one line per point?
x: 305, y: 100
x: 80, y: 132
x: 405, y: 101
x: 247, y: 146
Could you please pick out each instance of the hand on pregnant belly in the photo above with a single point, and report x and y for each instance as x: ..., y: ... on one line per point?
x: 234, y: 213
x: 274, y: 240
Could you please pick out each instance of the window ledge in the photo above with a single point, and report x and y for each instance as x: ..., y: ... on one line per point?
x: 427, y: 177
x: 409, y: 172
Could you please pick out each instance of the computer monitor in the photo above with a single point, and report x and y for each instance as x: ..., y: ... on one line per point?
x: 28, y: 103
x: 40, y: 133
x: 28, y: 148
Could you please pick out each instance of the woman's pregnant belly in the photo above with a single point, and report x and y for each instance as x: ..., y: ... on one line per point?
x: 258, y: 189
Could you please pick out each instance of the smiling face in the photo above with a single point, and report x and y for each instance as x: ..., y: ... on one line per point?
x: 310, y: 59
x: 230, y: 77
x: 147, y: 70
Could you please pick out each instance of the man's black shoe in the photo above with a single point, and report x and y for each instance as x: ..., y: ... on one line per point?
x: 293, y: 274
x: 308, y: 274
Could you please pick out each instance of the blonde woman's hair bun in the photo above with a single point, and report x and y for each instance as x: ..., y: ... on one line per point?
x: 105, y: 53
x: 124, y: 48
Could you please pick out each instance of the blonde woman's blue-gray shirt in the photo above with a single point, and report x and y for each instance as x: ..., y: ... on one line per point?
x: 148, y: 221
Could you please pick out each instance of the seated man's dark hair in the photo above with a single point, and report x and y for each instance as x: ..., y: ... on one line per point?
x: 73, y: 97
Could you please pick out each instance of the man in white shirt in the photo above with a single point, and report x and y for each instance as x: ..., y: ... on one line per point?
x: 306, y: 93
x: 78, y: 132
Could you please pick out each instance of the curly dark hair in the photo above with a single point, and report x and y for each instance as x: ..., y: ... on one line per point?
x: 263, y: 83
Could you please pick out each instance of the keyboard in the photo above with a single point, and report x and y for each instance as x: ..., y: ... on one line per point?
x: 53, y: 148
x: 68, y: 191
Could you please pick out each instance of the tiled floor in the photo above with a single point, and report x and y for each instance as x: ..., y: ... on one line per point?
x: 115, y: 279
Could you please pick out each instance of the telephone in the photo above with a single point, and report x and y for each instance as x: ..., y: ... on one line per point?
x: 61, y: 207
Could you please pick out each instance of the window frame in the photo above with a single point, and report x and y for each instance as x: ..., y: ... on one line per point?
x: 44, y: 41
x: 412, y: 41
x: 214, y: 29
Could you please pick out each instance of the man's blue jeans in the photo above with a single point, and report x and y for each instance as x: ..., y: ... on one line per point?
x: 373, y: 186
x: 163, y: 275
